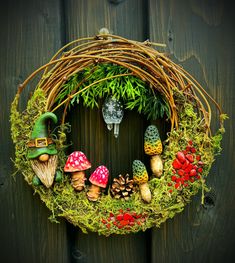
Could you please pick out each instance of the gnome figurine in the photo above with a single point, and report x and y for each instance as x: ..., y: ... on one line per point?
x: 42, y: 151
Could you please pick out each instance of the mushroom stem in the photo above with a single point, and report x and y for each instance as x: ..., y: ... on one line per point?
x: 145, y: 192
x: 156, y: 165
x: 93, y: 193
x: 77, y: 180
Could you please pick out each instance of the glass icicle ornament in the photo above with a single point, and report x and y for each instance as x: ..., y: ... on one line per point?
x: 112, y: 111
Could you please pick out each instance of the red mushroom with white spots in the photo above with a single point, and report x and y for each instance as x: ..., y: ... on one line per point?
x: 76, y: 164
x: 99, y: 179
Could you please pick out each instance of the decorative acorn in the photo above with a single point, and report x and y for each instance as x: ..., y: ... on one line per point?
x: 153, y: 147
x: 42, y: 151
x: 122, y: 187
x: 140, y: 177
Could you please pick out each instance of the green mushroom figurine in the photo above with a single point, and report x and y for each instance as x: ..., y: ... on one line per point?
x: 42, y: 151
x: 140, y: 177
x: 153, y: 148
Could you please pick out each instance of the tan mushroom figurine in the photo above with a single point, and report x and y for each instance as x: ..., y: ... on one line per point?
x: 99, y: 179
x: 140, y: 177
x: 76, y: 164
x: 153, y: 148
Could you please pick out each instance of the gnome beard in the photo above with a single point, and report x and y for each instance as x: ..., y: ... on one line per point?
x: 45, y: 171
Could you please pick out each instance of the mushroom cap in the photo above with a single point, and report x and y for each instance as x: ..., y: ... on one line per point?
x: 77, y: 161
x: 140, y: 174
x: 100, y: 176
x: 152, y: 141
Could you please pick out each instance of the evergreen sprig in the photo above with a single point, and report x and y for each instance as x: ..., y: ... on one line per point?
x: 133, y: 92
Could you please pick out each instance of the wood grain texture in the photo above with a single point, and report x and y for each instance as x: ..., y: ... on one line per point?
x: 90, y: 134
x: 30, y: 34
x: 198, y: 36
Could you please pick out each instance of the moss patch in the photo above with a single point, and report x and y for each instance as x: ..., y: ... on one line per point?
x: 63, y: 201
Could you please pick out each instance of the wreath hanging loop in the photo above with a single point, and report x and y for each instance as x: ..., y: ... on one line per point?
x: 116, y: 69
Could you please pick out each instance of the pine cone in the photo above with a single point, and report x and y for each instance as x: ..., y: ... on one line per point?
x: 122, y: 187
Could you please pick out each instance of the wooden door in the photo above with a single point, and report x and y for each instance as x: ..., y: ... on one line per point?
x: 199, y: 36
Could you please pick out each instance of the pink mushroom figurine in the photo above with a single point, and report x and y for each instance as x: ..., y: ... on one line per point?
x: 99, y: 178
x: 76, y: 164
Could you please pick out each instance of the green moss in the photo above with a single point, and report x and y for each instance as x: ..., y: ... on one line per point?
x: 21, y: 128
x: 63, y: 201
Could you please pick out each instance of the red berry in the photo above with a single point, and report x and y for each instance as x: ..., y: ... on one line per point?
x: 193, y: 150
x: 134, y: 214
x: 170, y: 191
x: 200, y: 169
x: 185, y: 185
x: 121, y: 211
x: 201, y: 163
x: 191, y: 179
x: 180, y: 156
x: 190, y: 157
x: 173, y: 178
x: 176, y: 164
x: 178, y: 180
x: 188, y: 168
x: 111, y: 214
x: 190, y: 142
x: 104, y: 221
x: 184, y: 152
x: 186, y: 177
x: 177, y: 185
x: 198, y: 157
x: 124, y: 222
x: 193, y: 172
x: 169, y: 184
x: 188, y: 149
x: 119, y: 217
x: 198, y: 177
x: 108, y: 226
x: 185, y: 164
x: 181, y: 172
x: 128, y: 216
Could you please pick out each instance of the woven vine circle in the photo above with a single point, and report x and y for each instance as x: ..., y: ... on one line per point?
x: 190, y: 116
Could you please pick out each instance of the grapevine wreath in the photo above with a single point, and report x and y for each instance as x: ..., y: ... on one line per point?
x: 124, y: 75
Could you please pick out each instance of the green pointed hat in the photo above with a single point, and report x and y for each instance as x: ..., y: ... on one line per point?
x: 40, y: 143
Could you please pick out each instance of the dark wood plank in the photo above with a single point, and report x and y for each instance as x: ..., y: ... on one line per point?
x: 89, y: 132
x: 198, y: 36
x: 30, y: 34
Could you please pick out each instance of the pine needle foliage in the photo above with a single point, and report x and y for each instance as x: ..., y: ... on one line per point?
x: 133, y: 92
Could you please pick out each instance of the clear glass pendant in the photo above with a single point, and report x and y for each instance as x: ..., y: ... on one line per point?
x: 112, y: 111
